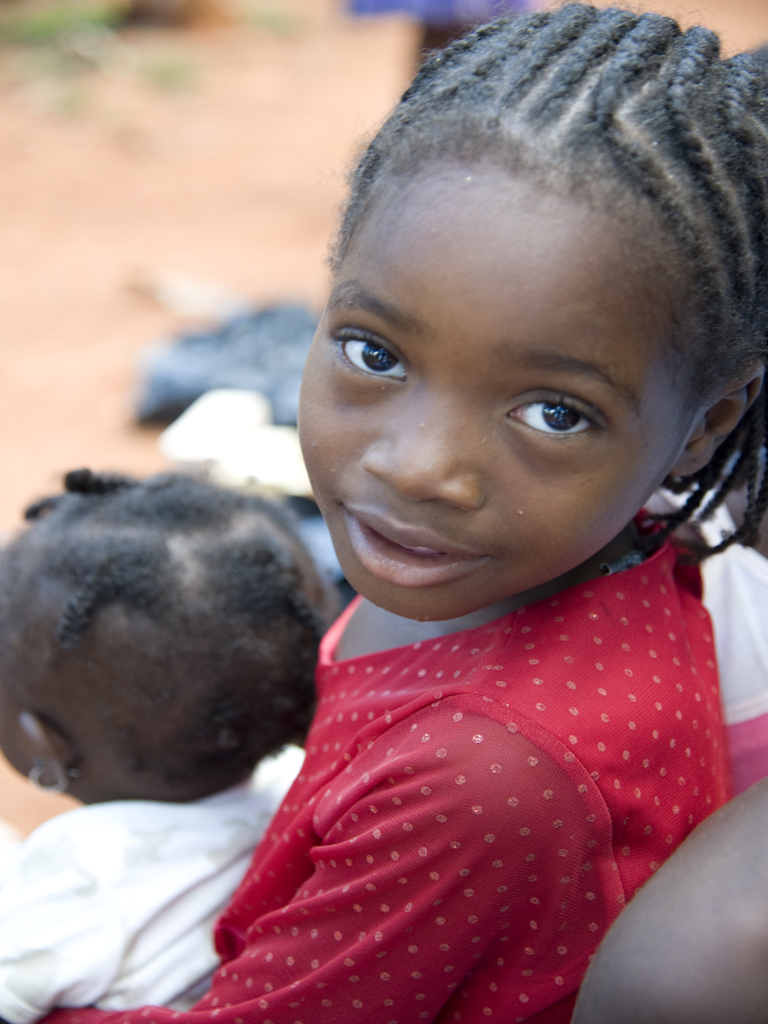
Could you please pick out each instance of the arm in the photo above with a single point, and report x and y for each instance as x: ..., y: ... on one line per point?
x: 447, y: 834
x: 692, y: 947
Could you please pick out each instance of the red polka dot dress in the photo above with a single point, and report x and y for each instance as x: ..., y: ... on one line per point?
x: 473, y: 813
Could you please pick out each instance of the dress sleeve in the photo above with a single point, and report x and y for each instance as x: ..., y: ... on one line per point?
x: 451, y: 835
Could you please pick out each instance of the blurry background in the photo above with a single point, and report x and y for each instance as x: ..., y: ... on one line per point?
x: 148, y: 173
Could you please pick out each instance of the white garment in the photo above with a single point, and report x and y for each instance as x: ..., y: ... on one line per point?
x: 736, y: 596
x: 735, y: 585
x: 113, y: 904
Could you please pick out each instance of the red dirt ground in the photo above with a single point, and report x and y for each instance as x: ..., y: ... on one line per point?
x: 233, y: 177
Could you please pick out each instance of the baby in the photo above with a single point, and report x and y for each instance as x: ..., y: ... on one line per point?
x: 157, y: 640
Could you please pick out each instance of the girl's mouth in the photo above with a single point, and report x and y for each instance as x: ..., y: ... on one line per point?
x: 393, y: 559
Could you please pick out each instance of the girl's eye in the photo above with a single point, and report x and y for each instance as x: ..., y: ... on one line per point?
x: 553, y: 418
x: 373, y: 358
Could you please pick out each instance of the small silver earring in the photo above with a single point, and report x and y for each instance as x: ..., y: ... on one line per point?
x: 61, y: 778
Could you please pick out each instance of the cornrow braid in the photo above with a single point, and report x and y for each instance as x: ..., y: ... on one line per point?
x: 77, y: 615
x: 744, y: 90
x: 644, y: 44
x: 757, y: 479
x: 607, y: 37
x: 83, y: 481
x: 626, y: 109
x: 122, y: 569
x: 41, y: 507
x: 550, y: 42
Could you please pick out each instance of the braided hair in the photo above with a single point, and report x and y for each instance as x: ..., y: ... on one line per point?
x: 224, y: 614
x: 625, y: 109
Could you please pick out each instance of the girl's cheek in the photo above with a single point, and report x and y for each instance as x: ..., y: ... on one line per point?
x: 318, y: 399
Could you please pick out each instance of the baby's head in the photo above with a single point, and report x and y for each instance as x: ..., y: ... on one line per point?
x: 157, y: 637
x: 551, y: 296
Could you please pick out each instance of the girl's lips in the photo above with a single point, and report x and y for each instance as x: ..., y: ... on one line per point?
x: 403, y: 564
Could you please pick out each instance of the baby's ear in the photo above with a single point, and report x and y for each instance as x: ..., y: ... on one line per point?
x: 50, y: 752
x: 716, y: 421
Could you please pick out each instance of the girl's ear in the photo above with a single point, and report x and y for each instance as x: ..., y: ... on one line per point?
x: 717, y: 421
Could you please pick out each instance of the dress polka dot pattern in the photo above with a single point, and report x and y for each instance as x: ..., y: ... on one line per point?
x: 474, y: 812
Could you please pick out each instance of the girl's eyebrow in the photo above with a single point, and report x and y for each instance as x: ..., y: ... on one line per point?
x: 543, y: 359
x: 353, y: 294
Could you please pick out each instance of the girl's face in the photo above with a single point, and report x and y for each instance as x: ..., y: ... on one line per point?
x: 489, y: 398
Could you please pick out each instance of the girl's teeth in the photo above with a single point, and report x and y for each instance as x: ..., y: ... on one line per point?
x: 421, y: 551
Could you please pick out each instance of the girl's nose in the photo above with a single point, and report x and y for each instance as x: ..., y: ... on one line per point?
x: 426, y: 463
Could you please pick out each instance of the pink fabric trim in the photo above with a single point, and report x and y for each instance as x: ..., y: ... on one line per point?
x: 748, y: 742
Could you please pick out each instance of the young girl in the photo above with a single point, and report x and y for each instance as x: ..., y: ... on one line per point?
x: 549, y: 298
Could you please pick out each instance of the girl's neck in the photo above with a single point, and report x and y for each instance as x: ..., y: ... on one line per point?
x: 374, y: 629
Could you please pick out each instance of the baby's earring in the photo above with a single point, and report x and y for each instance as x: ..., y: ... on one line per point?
x: 59, y: 776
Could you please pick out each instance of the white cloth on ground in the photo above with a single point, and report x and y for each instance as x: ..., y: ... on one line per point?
x: 113, y: 904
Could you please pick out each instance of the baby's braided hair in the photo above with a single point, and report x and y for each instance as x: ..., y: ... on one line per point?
x: 625, y: 109
x: 224, y: 609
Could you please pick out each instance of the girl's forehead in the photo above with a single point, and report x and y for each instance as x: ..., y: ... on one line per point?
x: 503, y: 256
x: 456, y: 210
